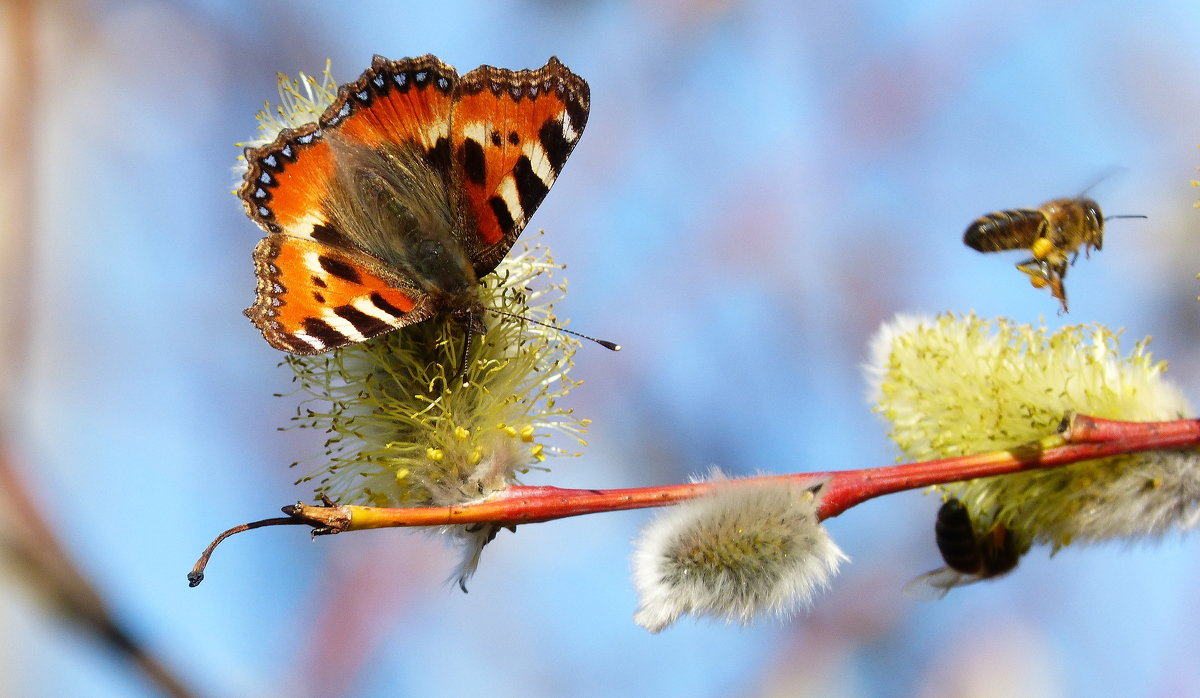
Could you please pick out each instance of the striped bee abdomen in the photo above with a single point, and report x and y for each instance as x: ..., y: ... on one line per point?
x: 1005, y: 230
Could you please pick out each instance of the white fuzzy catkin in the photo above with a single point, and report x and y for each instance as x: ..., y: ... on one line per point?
x: 747, y: 549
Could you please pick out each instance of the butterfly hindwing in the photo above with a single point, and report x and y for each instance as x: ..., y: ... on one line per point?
x: 511, y: 133
x: 312, y: 297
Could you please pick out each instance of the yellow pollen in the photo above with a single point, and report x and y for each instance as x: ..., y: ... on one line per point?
x: 1041, y: 249
x: 527, y: 433
x: 461, y: 434
x: 537, y: 453
x: 435, y: 454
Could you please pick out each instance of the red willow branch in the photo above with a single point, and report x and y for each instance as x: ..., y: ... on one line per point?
x: 1079, y: 438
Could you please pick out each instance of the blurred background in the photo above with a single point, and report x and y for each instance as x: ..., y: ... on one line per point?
x: 760, y: 185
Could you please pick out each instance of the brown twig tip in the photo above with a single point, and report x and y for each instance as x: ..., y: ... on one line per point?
x: 197, y: 574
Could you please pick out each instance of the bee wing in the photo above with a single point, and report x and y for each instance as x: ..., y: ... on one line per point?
x: 933, y: 586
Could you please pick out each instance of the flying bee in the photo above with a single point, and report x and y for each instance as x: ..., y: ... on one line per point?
x: 1053, y: 232
x: 970, y: 555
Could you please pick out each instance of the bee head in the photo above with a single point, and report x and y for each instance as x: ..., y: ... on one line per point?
x: 1094, y: 218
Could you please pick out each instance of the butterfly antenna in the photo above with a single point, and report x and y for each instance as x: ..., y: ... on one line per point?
x: 1127, y: 215
x: 602, y: 342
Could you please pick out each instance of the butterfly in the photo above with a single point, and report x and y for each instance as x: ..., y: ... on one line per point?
x: 411, y: 186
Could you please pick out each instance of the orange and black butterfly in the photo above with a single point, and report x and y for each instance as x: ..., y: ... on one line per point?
x: 1053, y: 233
x: 411, y: 186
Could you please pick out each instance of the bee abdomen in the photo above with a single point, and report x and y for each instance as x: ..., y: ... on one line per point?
x: 1005, y: 230
x: 956, y: 538
x: 1004, y: 558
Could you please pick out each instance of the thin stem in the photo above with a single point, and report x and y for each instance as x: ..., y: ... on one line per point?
x: 1080, y: 438
x: 197, y: 574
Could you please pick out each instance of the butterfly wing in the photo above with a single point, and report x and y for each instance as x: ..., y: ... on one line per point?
x: 331, y: 270
x: 312, y: 297
x: 287, y: 184
x: 511, y: 133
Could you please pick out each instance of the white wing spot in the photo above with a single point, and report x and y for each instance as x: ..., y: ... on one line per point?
x: 365, y: 306
x: 539, y: 162
x: 302, y: 227
x: 568, y: 129
x: 343, y: 326
x: 313, y: 264
x: 436, y: 131
x: 310, y: 341
x: 478, y: 131
x: 508, y: 193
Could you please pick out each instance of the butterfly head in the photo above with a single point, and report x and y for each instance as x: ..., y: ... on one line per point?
x: 469, y: 314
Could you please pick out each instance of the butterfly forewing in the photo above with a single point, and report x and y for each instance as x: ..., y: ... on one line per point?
x: 285, y: 181
x: 511, y: 133
x: 405, y: 101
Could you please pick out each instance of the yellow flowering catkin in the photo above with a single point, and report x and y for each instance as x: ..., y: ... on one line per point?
x: 958, y: 384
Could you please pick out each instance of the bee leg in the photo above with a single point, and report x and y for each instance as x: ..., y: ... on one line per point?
x: 1060, y: 292
x: 1042, y: 274
x: 1057, y: 288
x: 1037, y: 270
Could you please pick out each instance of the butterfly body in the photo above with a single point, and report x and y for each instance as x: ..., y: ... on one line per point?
x: 410, y: 187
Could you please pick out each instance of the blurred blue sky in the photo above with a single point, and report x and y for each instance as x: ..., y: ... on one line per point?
x: 759, y: 186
